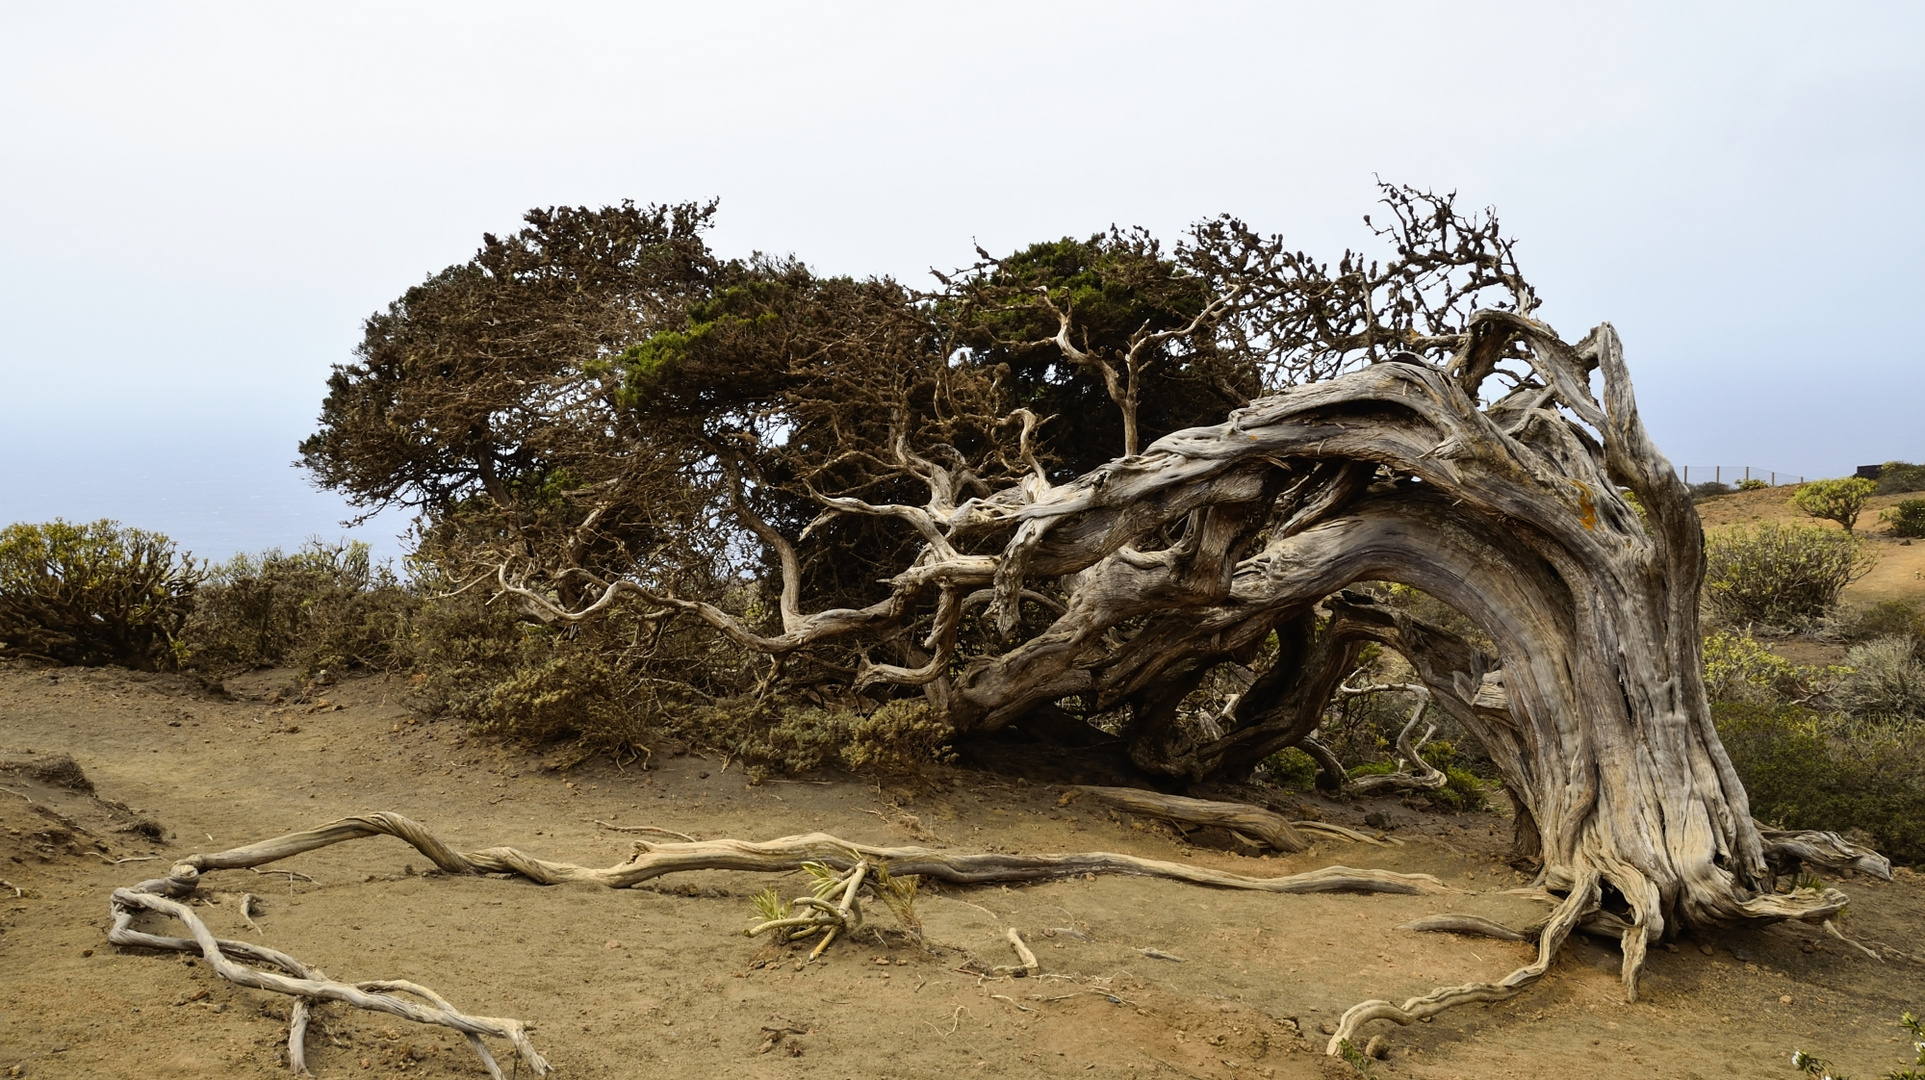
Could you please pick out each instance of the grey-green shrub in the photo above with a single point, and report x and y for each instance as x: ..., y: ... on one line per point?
x: 1887, y: 680
x: 322, y: 606
x: 1888, y: 618
x: 1803, y: 771
x: 1783, y: 577
x: 93, y: 594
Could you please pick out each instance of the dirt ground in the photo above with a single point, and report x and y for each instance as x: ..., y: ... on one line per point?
x: 659, y: 979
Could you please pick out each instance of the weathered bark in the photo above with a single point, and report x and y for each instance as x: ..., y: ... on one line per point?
x: 1264, y: 828
x: 1513, y: 515
x: 1547, y: 518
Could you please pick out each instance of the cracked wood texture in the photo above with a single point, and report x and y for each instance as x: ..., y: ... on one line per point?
x: 1547, y: 516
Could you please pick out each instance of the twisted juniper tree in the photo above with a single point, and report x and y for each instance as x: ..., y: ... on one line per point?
x: 890, y: 512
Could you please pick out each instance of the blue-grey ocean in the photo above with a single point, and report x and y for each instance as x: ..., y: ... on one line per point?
x: 214, y: 492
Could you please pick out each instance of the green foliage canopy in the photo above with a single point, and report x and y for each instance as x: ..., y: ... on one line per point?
x: 1838, y: 500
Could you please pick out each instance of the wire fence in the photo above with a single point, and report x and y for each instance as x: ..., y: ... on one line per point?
x: 1735, y: 474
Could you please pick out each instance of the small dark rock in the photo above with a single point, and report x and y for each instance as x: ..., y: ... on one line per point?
x: 1377, y: 819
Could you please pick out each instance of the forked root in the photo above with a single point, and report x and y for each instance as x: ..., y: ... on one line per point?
x: 1582, y: 898
x: 851, y: 863
x: 309, y: 985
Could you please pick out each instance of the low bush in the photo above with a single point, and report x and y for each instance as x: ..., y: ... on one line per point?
x: 322, y: 607
x: 1291, y: 769
x: 1710, y: 489
x: 901, y: 736
x: 1462, y: 789
x: 1738, y: 667
x: 1805, y: 771
x: 1779, y: 577
x: 1906, y: 519
x: 1752, y: 484
x: 1886, y: 680
x: 570, y: 694
x: 1840, y: 500
x: 101, y: 593
x: 1890, y: 618
x: 1899, y: 478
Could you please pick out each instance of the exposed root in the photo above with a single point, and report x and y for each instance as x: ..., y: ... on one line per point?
x: 1832, y: 929
x: 1342, y: 833
x: 1787, y: 850
x: 1267, y: 827
x: 833, y: 911
x: 1582, y: 898
x: 1468, y: 924
x: 297, y: 1037
x: 1423, y: 777
x: 305, y: 983
x: 784, y: 854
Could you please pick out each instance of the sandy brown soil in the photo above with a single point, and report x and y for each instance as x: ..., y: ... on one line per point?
x: 658, y: 980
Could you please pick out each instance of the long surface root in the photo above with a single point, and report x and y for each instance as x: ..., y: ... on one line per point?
x: 849, y: 863
x: 1582, y: 900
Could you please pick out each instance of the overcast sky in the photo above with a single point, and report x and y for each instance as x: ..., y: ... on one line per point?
x: 202, y: 202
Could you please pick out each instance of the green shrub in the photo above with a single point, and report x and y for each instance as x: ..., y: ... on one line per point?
x: 1803, y: 771
x: 324, y: 606
x: 573, y: 693
x: 1899, y: 478
x: 479, y: 661
x: 102, y: 593
x: 1292, y: 769
x: 1906, y: 519
x: 1462, y: 789
x: 1838, y: 500
x: 1781, y: 577
x: 901, y: 736
x: 1738, y: 667
x: 1752, y: 484
x: 1890, y: 618
x: 1710, y: 489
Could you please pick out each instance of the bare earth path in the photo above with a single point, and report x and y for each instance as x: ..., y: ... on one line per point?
x: 658, y: 980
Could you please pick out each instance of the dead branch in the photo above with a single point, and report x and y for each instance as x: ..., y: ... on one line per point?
x: 1029, y: 965
x: 1423, y: 777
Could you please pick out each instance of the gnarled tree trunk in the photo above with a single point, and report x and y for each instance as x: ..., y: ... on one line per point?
x: 1520, y: 514
x: 1547, y: 517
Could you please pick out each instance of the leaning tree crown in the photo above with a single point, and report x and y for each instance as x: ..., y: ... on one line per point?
x: 1540, y: 510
